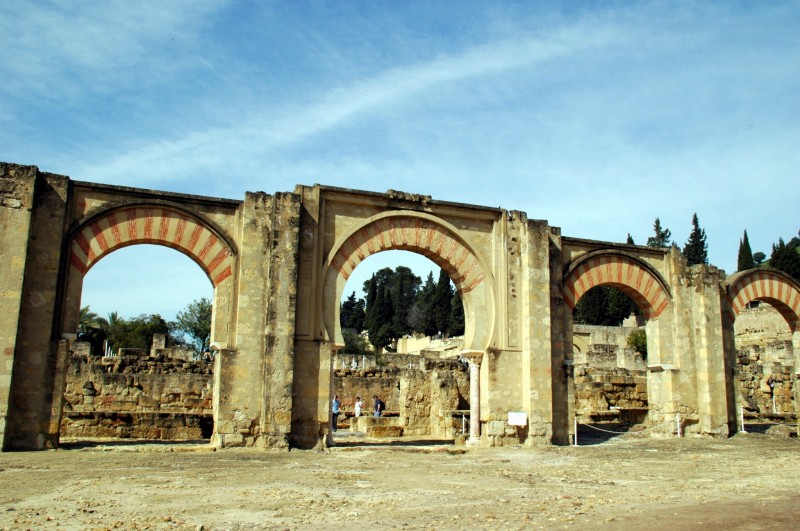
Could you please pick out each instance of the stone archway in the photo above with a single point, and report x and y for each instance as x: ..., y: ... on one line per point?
x: 417, y: 232
x: 781, y: 292
x: 160, y: 225
x: 628, y: 274
x: 646, y: 287
x: 119, y: 227
x: 768, y: 285
x: 166, y: 225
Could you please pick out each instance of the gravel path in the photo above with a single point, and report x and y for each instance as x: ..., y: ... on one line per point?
x: 750, y: 481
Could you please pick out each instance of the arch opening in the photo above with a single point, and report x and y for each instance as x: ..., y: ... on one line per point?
x: 609, y: 365
x: 417, y: 375
x: 764, y: 309
x: 120, y: 230
x: 422, y: 234
x: 613, y: 297
x: 134, y: 372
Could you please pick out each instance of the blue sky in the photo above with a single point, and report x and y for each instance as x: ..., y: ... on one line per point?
x: 596, y: 116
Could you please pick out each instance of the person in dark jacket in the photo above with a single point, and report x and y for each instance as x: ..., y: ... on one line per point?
x: 379, y: 406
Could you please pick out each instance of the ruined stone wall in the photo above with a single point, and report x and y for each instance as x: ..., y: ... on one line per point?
x: 605, y: 346
x: 33, y: 215
x: 765, y: 359
x: 16, y: 199
x: 423, y: 397
x: 428, y: 395
x: 132, y: 396
x: 384, y: 382
x: 604, y: 394
x: 610, y: 378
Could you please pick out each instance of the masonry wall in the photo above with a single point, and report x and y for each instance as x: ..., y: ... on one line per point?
x: 423, y: 397
x: 765, y: 362
x: 255, y: 382
x: 384, y: 382
x: 137, y: 396
x: 16, y: 201
x: 610, y: 394
x: 38, y: 233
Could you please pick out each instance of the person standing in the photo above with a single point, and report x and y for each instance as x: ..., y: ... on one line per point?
x: 335, y: 411
x: 379, y: 406
x: 359, y: 406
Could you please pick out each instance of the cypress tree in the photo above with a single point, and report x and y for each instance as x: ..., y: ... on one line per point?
x: 745, y: 260
x: 381, y: 332
x: 661, y: 237
x: 456, y: 315
x: 404, y: 285
x: 441, y: 303
x: 352, y: 313
x: 592, y: 307
x: 424, y: 304
x: 372, y: 293
x: 696, y: 248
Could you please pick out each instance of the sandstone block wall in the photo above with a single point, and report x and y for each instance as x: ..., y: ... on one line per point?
x: 138, y: 397
x: 765, y: 362
x: 604, y: 394
x: 422, y: 398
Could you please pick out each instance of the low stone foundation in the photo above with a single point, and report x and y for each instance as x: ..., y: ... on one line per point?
x: 166, y: 426
x: 377, y: 426
x: 137, y: 396
x: 610, y: 394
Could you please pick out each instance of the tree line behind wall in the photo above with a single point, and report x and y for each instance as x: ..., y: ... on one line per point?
x: 191, y: 328
x: 397, y: 304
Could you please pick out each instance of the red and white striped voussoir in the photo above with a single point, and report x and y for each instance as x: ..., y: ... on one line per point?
x: 155, y: 225
x: 414, y: 234
x: 623, y: 273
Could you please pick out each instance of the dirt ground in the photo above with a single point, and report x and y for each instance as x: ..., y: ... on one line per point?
x: 749, y: 481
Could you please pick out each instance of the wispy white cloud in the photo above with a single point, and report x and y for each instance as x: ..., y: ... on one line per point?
x: 63, y: 51
x: 597, y: 118
x: 274, y: 128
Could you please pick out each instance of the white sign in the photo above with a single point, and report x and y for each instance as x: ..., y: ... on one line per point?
x: 517, y: 418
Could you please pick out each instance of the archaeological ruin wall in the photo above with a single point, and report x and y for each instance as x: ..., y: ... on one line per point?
x: 279, y: 264
x: 137, y: 396
x: 765, y: 364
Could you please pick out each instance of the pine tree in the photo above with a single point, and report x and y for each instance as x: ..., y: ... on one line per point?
x: 785, y: 258
x: 696, y: 248
x: 661, y: 238
x: 745, y: 260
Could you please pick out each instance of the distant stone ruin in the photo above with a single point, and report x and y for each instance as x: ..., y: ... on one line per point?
x: 137, y: 395
x: 765, y: 364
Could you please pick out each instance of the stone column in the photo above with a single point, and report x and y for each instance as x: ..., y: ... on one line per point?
x: 474, y: 357
x: 796, y: 376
